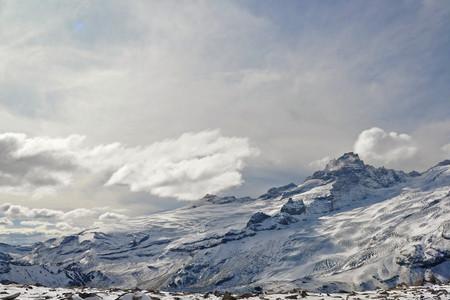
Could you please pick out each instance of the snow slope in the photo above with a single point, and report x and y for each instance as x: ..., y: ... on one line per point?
x: 348, y: 227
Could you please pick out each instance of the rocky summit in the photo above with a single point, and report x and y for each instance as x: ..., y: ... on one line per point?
x: 350, y: 226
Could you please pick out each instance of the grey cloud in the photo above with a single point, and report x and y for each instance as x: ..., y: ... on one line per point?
x: 30, y: 165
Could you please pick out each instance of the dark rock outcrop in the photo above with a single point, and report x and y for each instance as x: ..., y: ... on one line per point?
x: 293, y: 207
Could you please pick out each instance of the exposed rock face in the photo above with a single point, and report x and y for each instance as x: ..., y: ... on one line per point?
x: 136, y: 296
x: 418, y: 256
x: 294, y: 207
x: 277, y: 191
x: 208, y: 198
x: 349, y: 170
x: 444, y: 163
x: 352, y: 180
x: 284, y: 219
x: 257, y: 218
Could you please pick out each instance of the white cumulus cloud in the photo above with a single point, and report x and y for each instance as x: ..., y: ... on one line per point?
x: 380, y: 147
x: 185, y: 168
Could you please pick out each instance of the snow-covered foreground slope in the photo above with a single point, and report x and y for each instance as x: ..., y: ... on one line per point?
x: 435, y: 292
x: 348, y: 227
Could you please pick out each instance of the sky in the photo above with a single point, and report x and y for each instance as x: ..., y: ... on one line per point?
x: 115, y: 109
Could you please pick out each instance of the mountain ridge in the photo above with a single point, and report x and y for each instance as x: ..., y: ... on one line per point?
x: 350, y: 226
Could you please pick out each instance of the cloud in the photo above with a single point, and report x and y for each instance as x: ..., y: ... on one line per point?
x: 36, y: 165
x: 446, y: 149
x: 22, y: 212
x: 320, y: 163
x: 5, y: 222
x: 185, y: 168
x: 80, y: 213
x: 30, y: 223
x: 380, y: 147
x: 110, y: 217
x: 63, y: 226
x: 47, y: 228
x: 34, y: 224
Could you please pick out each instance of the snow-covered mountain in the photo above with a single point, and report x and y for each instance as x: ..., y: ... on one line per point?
x: 350, y: 226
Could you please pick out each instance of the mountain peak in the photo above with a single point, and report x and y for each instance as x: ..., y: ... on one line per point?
x: 347, y: 160
x: 350, y: 171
